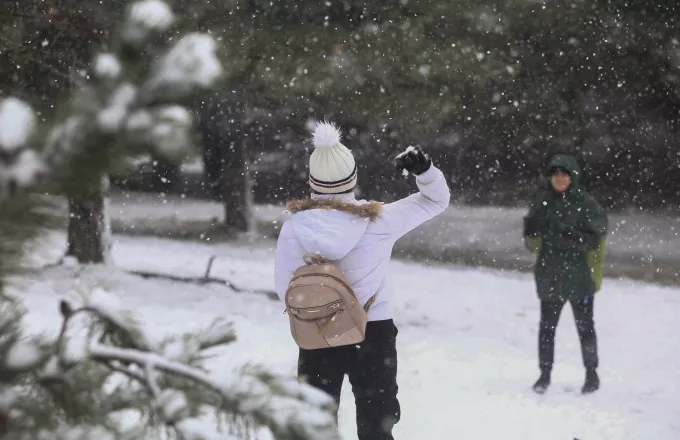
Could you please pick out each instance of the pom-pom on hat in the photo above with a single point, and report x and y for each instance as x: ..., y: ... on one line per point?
x: 332, y: 169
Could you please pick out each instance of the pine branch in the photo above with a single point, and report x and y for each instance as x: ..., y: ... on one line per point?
x: 269, y: 400
x: 74, y: 382
x: 68, y: 313
x: 131, y: 374
x: 133, y: 104
x: 263, y: 408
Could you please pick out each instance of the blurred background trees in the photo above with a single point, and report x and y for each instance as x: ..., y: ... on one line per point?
x: 491, y: 88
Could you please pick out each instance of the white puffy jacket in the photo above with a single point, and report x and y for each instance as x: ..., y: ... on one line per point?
x: 362, y: 247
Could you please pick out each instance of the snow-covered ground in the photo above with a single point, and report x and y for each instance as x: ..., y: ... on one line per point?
x: 467, y: 341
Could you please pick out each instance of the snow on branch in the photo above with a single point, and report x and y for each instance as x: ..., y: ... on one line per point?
x: 189, y: 66
x: 19, y: 165
x: 167, y: 129
x: 64, y: 140
x: 17, y: 123
x: 112, y: 117
x: 75, y: 373
x: 291, y: 414
x: 151, y: 14
x: 107, y: 66
x: 135, y: 103
x: 145, y: 19
x: 112, y: 314
x: 80, y: 432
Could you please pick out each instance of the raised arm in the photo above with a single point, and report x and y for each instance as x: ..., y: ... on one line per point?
x: 433, y: 197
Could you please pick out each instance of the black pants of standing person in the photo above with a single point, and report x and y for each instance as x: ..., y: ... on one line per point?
x: 372, y: 370
x: 550, y: 316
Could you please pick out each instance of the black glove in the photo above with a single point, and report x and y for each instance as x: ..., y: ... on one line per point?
x: 414, y: 160
x: 531, y: 226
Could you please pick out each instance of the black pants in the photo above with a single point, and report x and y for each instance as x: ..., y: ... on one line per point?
x: 550, y: 316
x: 372, y: 370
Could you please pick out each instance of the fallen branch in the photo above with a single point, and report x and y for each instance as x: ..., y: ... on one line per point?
x: 202, y: 280
x: 205, y: 279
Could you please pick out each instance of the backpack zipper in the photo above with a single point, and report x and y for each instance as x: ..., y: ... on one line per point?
x: 332, y: 305
x: 328, y: 324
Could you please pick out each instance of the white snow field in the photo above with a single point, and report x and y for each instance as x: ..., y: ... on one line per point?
x: 467, y: 341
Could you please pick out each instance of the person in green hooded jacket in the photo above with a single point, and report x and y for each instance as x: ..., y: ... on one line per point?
x: 566, y: 228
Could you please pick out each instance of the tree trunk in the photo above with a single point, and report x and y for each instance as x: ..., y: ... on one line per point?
x: 212, y: 162
x: 88, y: 226
x: 225, y: 159
x: 236, y: 186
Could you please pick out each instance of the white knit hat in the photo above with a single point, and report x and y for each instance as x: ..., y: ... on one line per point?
x: 331, y: 166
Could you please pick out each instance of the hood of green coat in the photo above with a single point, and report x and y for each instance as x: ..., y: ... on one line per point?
x: 567, y: 163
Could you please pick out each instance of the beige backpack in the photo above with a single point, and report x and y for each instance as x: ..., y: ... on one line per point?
x: 322, y: 307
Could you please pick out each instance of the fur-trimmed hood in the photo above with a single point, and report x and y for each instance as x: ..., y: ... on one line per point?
x: 331, y: 227
x: 370, y: 210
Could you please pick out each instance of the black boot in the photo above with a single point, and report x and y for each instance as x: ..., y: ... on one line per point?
x: 592, y: 383
x: 543, y: 382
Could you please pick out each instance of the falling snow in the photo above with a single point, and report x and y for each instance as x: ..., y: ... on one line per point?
x: 207, y: 135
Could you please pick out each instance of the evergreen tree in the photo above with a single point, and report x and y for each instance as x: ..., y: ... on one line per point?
x: 133, y: 103
x: 23, y: 216
x: 114, y: 381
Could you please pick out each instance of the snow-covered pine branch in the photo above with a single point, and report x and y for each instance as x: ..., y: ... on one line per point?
x: 19, y: 165
x: 290, y: 409
x: 17, y: 123
x: 102, y: 376
x: 22, y: 215
x: 133, y: 104
x: 107, y: 67
x: 116, y: 366
x: 189, y: 66
x: 143, y: 20
x: 135, y: 101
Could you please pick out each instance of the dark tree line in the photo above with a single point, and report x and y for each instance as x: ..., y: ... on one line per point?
x: 490, y: 87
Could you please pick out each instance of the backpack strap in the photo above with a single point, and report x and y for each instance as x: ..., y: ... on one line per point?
x: 369, y: 303
x: 311, y: 258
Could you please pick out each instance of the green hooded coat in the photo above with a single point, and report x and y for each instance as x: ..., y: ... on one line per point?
x: 567, y: 233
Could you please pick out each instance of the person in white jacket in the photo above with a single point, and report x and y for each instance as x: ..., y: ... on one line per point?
x: 358, y: 236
